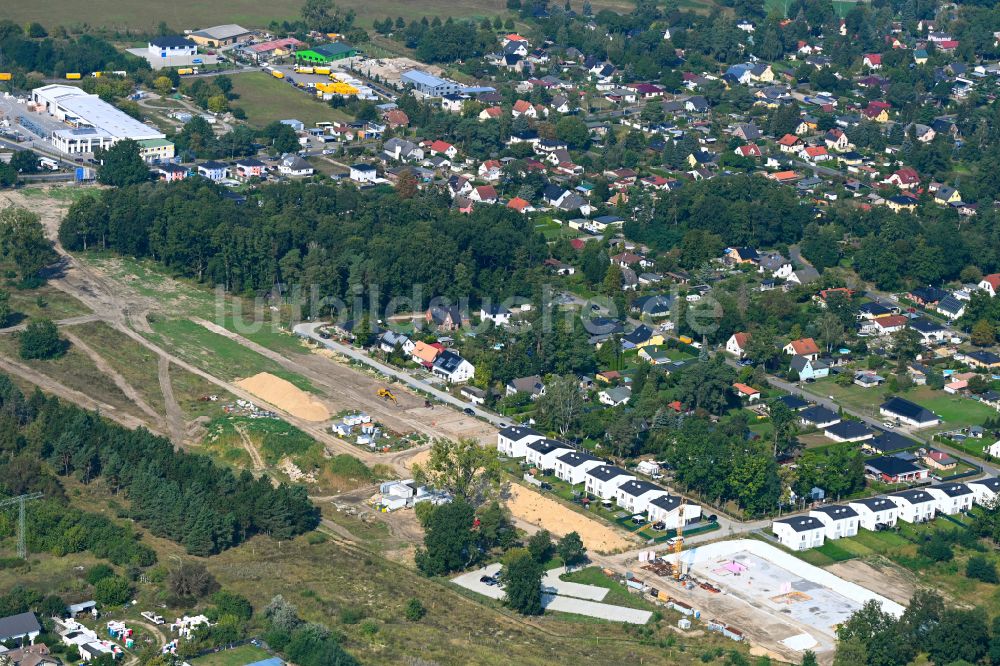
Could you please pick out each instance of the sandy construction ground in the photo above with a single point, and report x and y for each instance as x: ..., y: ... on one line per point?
x: 536, y: 509
x: 284, y: 395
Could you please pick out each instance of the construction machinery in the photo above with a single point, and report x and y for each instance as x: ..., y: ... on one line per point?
x: 679, y: 540
x: 386, y: 394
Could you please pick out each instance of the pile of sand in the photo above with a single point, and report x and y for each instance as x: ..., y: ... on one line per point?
x: 285, y: 396
x: 536, y: 509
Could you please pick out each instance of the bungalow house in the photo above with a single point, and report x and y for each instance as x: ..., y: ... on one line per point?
x: 809, y: 369
x: 951, y: 498
x: 603, y: 481
x: 875, y: 513
x: 615, y: 397
x: 814, y: 154
x: 818, y: 417
x: 476, y: 396
x: 991, y: 284
x: 543, y: 453
x: 671, y: 510
x: 983, y: 360
x: 512, y: 441
x: 849, y: 431
x: 737, y: 344
x: 806, y: 347
x: 885, y: 326
x: 938, y: 460
x: 908, y: 412
x: 793, y: 402
x: 838, y: 520
x: 890, y: 469
x: 985, y: 491
x: 532, y: 385
x: 520, y: 205
x: 635, y: 495
x: 930, y: 332
x: 951, y: 307
x: 749, y: 150
x: 748, y: 393
x: 799, y: 532
x: 915, y: 506
x: 642, y: 336
x: 572, y: 467
x: 655, y: 355
x: 453, y: 368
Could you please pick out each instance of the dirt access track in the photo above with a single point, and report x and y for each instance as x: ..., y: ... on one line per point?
x: 341, y: 387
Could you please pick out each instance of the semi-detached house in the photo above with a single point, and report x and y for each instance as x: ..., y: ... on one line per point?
x: 603, y: 481
x: 513, y: 441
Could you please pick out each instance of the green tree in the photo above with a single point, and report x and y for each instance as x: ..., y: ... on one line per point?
x: 983, y: 334
x: 122, y: 165
x: 522, y: 579
x: 163, y: 85
x: 191, y: 580
x: 415, y: 610
x: 464, y: 468
x: 540, y: 546
x: 980, y: 568
x: 113, y: 591
x: 40, y: 340
x: 573, y: 131
x: 571, y: 550
x: 961, y: 634
x: 8, y: 175
x: 24, y: 161
x: 5, y: 310
x: 809, y: 658
x: 98, y: 572
x: 23, y: 242
x: 448, y: 539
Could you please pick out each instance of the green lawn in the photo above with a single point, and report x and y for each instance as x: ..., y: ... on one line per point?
x: 245, y: 654
x: 955, y: 410
x: 618, y: 594
x: 266, y: 99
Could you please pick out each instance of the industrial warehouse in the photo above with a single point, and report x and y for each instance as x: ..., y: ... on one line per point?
x: 92, y: 123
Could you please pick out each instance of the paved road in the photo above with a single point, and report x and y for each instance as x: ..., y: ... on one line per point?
x: 309, y: 331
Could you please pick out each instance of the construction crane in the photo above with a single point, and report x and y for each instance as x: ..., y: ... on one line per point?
x: 22, y: 550
x: 679, y: 540
x: 386, y: 394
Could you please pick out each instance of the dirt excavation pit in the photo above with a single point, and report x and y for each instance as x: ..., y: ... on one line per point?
x: 533, y: 508
x: 285, y: 396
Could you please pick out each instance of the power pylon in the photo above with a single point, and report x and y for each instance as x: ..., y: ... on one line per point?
x: 20, y: 500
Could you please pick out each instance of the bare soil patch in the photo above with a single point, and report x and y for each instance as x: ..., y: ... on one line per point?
x: 286, y: 396
x: 536, y: 509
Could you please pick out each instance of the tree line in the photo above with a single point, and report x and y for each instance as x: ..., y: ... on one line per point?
x: 183, y: 497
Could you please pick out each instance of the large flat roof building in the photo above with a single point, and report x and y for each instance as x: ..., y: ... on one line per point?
x: 429, y: 84
x: 93, y: 123
x: 221, y: 35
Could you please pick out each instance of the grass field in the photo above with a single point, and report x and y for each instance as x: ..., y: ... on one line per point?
x: 245, y: 654
x: 266, y: 99
x: 841, y: 7
x: 955, y: 410
x: 129, y: 14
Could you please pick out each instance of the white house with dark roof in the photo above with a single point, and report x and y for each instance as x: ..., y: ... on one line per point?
x: 17, y: 628
x: 668, y: 509
x: 951, y: 498
x: 849, y: 431
x: 603, y: 481
x: 635, y: 495
x: 908, y: 412
x: 838, y: 520
x: 915, y: 506
x: 985, y: 491
x: 573, y: 466
x: 512, y: 441
x: 543, y: 452
x: 875, y: 513
x: 818, y: 416
x: 799, y: 532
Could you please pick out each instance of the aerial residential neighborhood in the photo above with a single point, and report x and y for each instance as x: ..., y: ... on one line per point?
x: 521, y: 332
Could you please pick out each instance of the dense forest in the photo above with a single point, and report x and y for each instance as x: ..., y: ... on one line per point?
x: 333, y: 238
x: 54, y: 55
x: 183, y: 497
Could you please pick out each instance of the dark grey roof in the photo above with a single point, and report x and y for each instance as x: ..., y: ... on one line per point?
x: 891, y: 466
x: 638, y: 487
x: 849, y: 429
x: 171, y: 41
x: 818, y: 414
x: 992, y: 483
x: 793, y: 402
x: 984, y: 356
x: 544, y: 446
x: 667, y: 502
x: 875, y: 503
x: 576, y: 458
x: 605, y: 472
x: 887, y: 442
x: 837, y: 511
x: 22, y: 624
x: 950, y: 304
x: 952, y: 489
x: 909, y: 410
x: 801, y: 523
x: 914, y: 496
x: 517, y: 433
x: 448, y: 361
x: 925, y: 325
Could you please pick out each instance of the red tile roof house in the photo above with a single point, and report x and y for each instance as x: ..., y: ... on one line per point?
x: 484, y: 194
x: 789, y: 143
x: 737, y: 344
x: 440, y: 147
x: 748, y: 392
x: 749, y: 150
x: 803, y: 347
x: 523, y: 108
x: 521, y: 206
x: 905, y: 178
x: 872, y: 61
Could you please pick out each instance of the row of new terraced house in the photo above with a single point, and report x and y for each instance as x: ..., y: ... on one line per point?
x: 916, y: 505
x: 599, y: 478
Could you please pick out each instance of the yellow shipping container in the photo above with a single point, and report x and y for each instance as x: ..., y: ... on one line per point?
x: 4, y: 76
x: 278, y: 75
x: 321, y: 70
x: 73, y: 76
x: 185, y: 70
x: 304, y: 70
x: 96, y: 75
x: 685, y: 339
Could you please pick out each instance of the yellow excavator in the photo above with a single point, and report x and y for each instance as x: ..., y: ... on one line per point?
x: 386, y: 394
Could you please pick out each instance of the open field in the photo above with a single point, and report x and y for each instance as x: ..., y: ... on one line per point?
x: 245, y: 654
x: 119, y: 15
x: 266, y: 99
x: 532, y: 507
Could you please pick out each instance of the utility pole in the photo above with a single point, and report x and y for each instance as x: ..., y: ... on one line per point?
x: 22, y: 550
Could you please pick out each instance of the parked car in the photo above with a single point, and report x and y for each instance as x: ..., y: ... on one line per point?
x: 470, y: 411
x: 659, y: 527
